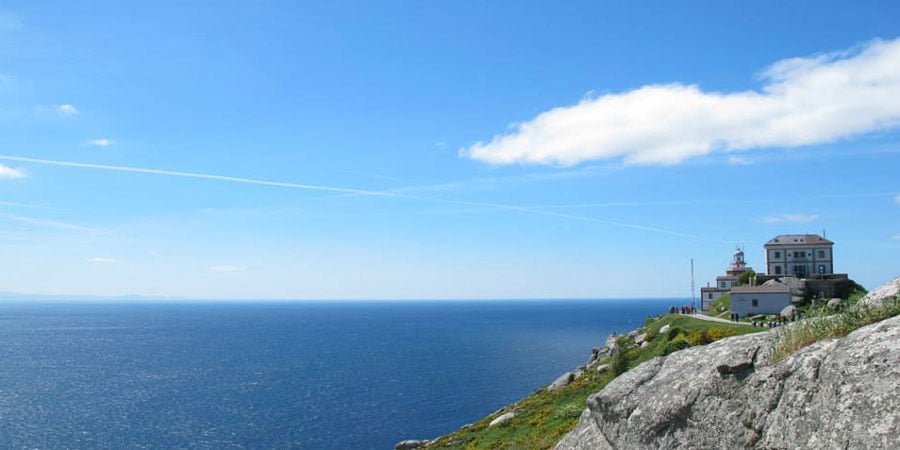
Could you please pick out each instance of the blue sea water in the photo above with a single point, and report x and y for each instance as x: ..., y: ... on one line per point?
x: 311, y: 375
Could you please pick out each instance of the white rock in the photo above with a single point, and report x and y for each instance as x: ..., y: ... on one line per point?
x: 502, y: 419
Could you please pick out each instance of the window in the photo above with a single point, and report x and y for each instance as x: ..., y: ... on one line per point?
x: 822, y: 254
x: 723, y: 285
x: 754, y: 303
x: 710, y: 296
x: 777, y: 255
x: 777, y: 270
x: 799, y: 254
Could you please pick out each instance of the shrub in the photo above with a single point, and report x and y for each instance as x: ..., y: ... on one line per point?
x: 676, y: 344
x: 822, y: 326
x: 618, y: 362
x: 718, y: 333
x: 699, y: 337
x: 674, y: 332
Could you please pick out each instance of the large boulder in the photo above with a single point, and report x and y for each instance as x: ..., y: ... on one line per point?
x: 888, y: 291
x: 789, y: 311
x: 834, y: 394
x: 835, y: 304
x: 409, y: 444
x: 561, y: 382
x: 502, y: 419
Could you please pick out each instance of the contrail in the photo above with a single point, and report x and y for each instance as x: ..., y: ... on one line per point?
x: 343, y: 190
x: 202, y: 176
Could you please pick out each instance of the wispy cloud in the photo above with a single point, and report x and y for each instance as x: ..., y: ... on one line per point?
x: 102, y: 142
x: 791, y: 218
x: 202, y: 176
x: 227, y: 268
x: 11, y: 173
x: 22, y: 205
x: 897, y: 199
x: 101, y: 260
x: 804, y: 101
x: 896, y: 237
x: 739, y: 161
x: 46, y: 223
x: 342, y: 190
x: 67, y: 110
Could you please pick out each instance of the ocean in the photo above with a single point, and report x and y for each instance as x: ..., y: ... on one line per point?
x: 309, y: 375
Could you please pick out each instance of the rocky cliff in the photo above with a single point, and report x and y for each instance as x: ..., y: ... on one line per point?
x: 837, y: 393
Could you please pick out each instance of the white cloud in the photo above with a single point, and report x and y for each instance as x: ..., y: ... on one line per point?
x: 67, y: 110
x: 897, y: 199
x: 793, y: 218
x: 102, y: 142
x: 101, y: 260
x: 896, y: 237
x: 803, y: 101
x: 226, y: 268
x: 739, y: 161
x: 11, y: 173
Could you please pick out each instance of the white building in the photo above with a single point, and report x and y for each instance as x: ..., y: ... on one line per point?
x: 799, y: 255
x: 724, y: 283
x: 752, y: 300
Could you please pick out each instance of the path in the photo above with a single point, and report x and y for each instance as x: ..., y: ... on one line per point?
x: 714, y: 319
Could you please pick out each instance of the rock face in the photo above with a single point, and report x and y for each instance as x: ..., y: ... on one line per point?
x: 835, y: 394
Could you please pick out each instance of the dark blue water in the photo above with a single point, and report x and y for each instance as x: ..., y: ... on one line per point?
x: 281, y: 375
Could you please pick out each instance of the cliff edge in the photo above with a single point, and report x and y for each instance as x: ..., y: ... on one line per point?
x: 836, y: 393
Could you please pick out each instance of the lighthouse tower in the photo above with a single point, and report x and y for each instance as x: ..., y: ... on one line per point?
x: 737, y: 266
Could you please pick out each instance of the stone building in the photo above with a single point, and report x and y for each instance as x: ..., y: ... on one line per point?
x: 799, y: 255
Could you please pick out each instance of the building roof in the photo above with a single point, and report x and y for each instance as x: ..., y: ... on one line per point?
x: 712, y: 289
x: 726, y: 277
x: 798, y: 239
x: 776, y: 289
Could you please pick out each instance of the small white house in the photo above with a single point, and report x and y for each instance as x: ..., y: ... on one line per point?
x: 752, y: 300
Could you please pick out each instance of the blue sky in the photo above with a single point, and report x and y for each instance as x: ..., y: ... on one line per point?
x: 419, y: 150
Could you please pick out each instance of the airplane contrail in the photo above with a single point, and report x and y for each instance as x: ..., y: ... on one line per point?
x: 203, y: 176
x: 343, y: 190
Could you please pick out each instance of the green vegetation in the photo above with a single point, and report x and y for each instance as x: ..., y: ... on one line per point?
x: 824, y: 323
x: 745, y: 277
x: 543, y: 418
x: 720, y: 307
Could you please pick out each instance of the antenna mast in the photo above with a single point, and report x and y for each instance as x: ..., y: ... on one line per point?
x: 692, y: 283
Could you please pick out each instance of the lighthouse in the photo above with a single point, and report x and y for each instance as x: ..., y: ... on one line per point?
x: 737, y: 266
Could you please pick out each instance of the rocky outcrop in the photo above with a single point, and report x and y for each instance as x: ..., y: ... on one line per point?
x: 561, y: 382
x: 835, y: 394
x: 409, y: 444
x: 884, y: 292
x: 502, y: 419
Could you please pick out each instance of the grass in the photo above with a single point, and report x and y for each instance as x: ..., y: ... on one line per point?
x: 825, y: 324
x: 543, y: 418
x: 720, y: 307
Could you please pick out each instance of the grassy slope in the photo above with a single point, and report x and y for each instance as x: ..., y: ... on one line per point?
x: 543, y: 418
x: 722, y: 303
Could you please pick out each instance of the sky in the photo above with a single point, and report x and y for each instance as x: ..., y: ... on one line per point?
x: 440, y: 149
